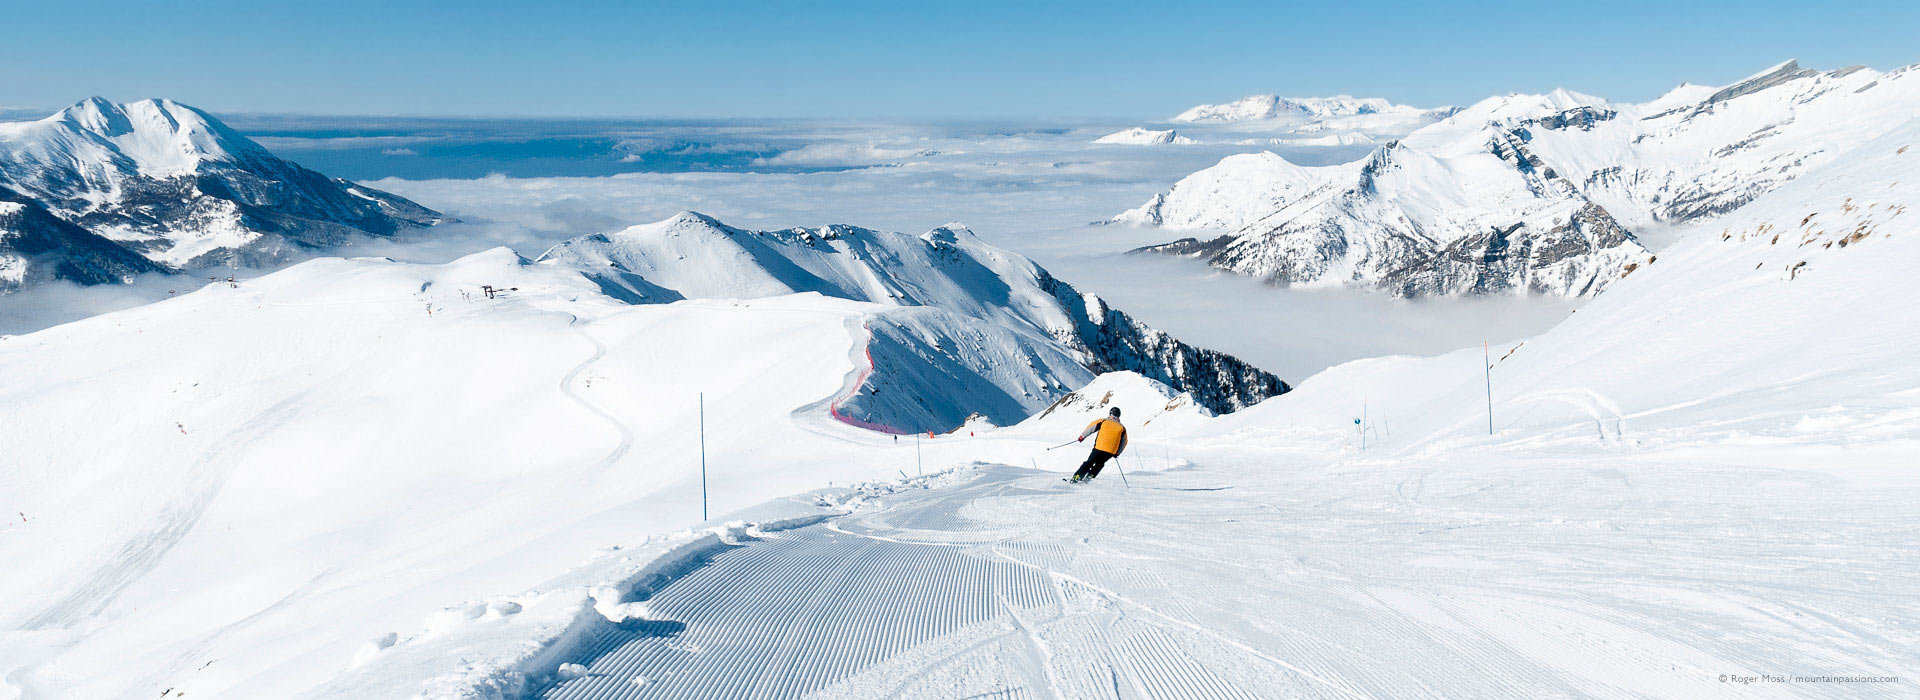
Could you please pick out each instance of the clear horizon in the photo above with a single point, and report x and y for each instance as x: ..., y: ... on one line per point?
x: 875, y: 61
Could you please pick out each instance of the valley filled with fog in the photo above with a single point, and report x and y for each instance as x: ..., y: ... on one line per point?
x: 1034, y: 188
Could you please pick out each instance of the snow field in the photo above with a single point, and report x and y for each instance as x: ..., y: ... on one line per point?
x: 347, y: 462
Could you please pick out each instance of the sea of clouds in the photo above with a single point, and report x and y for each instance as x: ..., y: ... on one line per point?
x: 1037, y: 189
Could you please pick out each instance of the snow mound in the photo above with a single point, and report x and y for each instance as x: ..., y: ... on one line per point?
x: 1138, y: 136
x: 1142, y: 402
x: 1238, y: 191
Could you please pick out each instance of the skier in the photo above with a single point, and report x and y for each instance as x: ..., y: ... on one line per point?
x: 1109, y: 441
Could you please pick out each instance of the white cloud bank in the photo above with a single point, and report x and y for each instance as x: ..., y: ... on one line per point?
x: 1033, y: 191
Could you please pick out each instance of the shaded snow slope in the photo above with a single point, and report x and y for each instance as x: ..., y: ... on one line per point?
x: 694, y: 256
x: 36, y: 246
x: 931, y: 370
x: 1534, y: 193
x: 175, y: 185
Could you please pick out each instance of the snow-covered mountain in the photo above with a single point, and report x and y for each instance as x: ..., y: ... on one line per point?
x: 1139, y: 136
x: 1271, y: 107
x: 1685, y: 157
x: 692, y: 256
x: 1401, y: 221
x: 1534, y: 193
x: 181, y: 189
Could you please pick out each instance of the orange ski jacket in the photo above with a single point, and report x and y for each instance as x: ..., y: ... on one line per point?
x: 1112, y: 438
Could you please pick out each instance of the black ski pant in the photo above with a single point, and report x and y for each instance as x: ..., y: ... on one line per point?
x: 1091, y: 468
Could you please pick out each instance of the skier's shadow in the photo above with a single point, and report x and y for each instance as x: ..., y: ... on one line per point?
x: 637, y: 628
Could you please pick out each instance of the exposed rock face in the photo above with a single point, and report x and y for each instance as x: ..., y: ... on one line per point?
x: 1576, y: 257
x: 1113, y: 341
x: 1582, y: 118
x: 1189, y: 247
x: 1778, y: 75
x: 174, y: 185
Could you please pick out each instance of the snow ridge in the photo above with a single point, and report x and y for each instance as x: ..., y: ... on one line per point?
x: 1033, y: 315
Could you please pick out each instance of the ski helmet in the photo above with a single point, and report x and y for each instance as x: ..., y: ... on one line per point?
x: 1115, y: 411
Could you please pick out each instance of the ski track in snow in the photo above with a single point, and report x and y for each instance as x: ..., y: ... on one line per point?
x: 1400, y: 582
x: 566, y: 387
x: 787, y: 616
x: 805, y: 613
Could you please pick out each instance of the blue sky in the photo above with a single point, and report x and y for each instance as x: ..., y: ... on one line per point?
x: 902, y: 59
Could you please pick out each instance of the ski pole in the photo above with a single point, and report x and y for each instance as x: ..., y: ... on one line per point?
x: 1064, y: 444
x: 1123, y: 471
